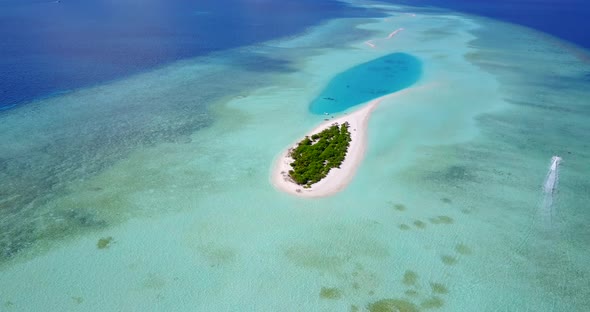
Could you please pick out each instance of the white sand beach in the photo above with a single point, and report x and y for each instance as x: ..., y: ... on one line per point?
x: 338, y: 178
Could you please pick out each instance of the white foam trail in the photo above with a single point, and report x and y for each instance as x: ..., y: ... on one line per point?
x: 371, y: 44
x: 395, y: 32
x: 552, y: 176
x: 549, y: 190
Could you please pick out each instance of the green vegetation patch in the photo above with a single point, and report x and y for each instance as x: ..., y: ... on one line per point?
x: 217, y: 254
x: 78, y: 300
x: 403, y: 227
x: 448, y: 260
x: 463, y: 249
x: 314, y: 257
x: 392, y: 305
x: 411, y: 293
x: 399, y: 207
x: 104, y: 242
x: 442, y: 220
x: 330, y: 293
x: 410, y: 278
x: 438, y: 288
x: 432, y: 303
x: 315, y: 156
x: 419, y: 224
x: 446, y: 200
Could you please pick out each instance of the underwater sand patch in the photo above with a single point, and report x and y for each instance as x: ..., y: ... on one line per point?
x: 330, y: 251
x: 364, y: 281
x: 310, y: 257
x: 153, y: 281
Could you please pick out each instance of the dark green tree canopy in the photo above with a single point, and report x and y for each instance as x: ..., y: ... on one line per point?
x: 315, y: 156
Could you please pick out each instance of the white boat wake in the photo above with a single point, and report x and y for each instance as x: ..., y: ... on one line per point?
x: 371, y: 43
x: 550, y: 189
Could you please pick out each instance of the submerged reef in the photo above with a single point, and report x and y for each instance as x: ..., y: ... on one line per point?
x: 104, y: 242
x: 57, y: 225
x: 392, y: 305
x: 330, y: 293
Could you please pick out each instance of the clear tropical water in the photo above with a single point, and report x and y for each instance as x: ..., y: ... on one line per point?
x: 367, y: 81
x: 152, y: 192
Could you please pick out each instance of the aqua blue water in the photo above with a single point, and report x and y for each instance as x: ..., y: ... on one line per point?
x: 171, y: 167
x: 366, y: 82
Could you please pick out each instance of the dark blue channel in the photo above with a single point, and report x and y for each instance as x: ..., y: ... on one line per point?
x: 49, y: 46
x: 566, y: 19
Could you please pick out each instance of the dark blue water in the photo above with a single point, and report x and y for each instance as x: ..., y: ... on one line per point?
x: 566, y: 19
x: 48, y: 47
x: 53, y: 46
x: 367, y: 81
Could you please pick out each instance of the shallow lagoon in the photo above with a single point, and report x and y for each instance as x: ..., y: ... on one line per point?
x: 367, y: 81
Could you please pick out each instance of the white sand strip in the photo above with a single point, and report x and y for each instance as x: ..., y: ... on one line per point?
x: 337, y: 178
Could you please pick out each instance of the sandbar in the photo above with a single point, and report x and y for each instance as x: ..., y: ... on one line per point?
x: 338, y: 178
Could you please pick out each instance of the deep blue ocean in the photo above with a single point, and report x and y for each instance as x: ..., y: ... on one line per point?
x: 566, y: 19
x: 48, y: 47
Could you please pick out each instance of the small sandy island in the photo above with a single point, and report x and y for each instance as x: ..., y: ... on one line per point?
x: 337, y: 178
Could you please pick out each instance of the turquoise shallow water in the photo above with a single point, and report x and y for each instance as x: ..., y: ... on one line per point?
x: 445, y: 213
x: 367, y: 81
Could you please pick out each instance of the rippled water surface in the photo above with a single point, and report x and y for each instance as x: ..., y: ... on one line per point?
x: 152, y: 192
